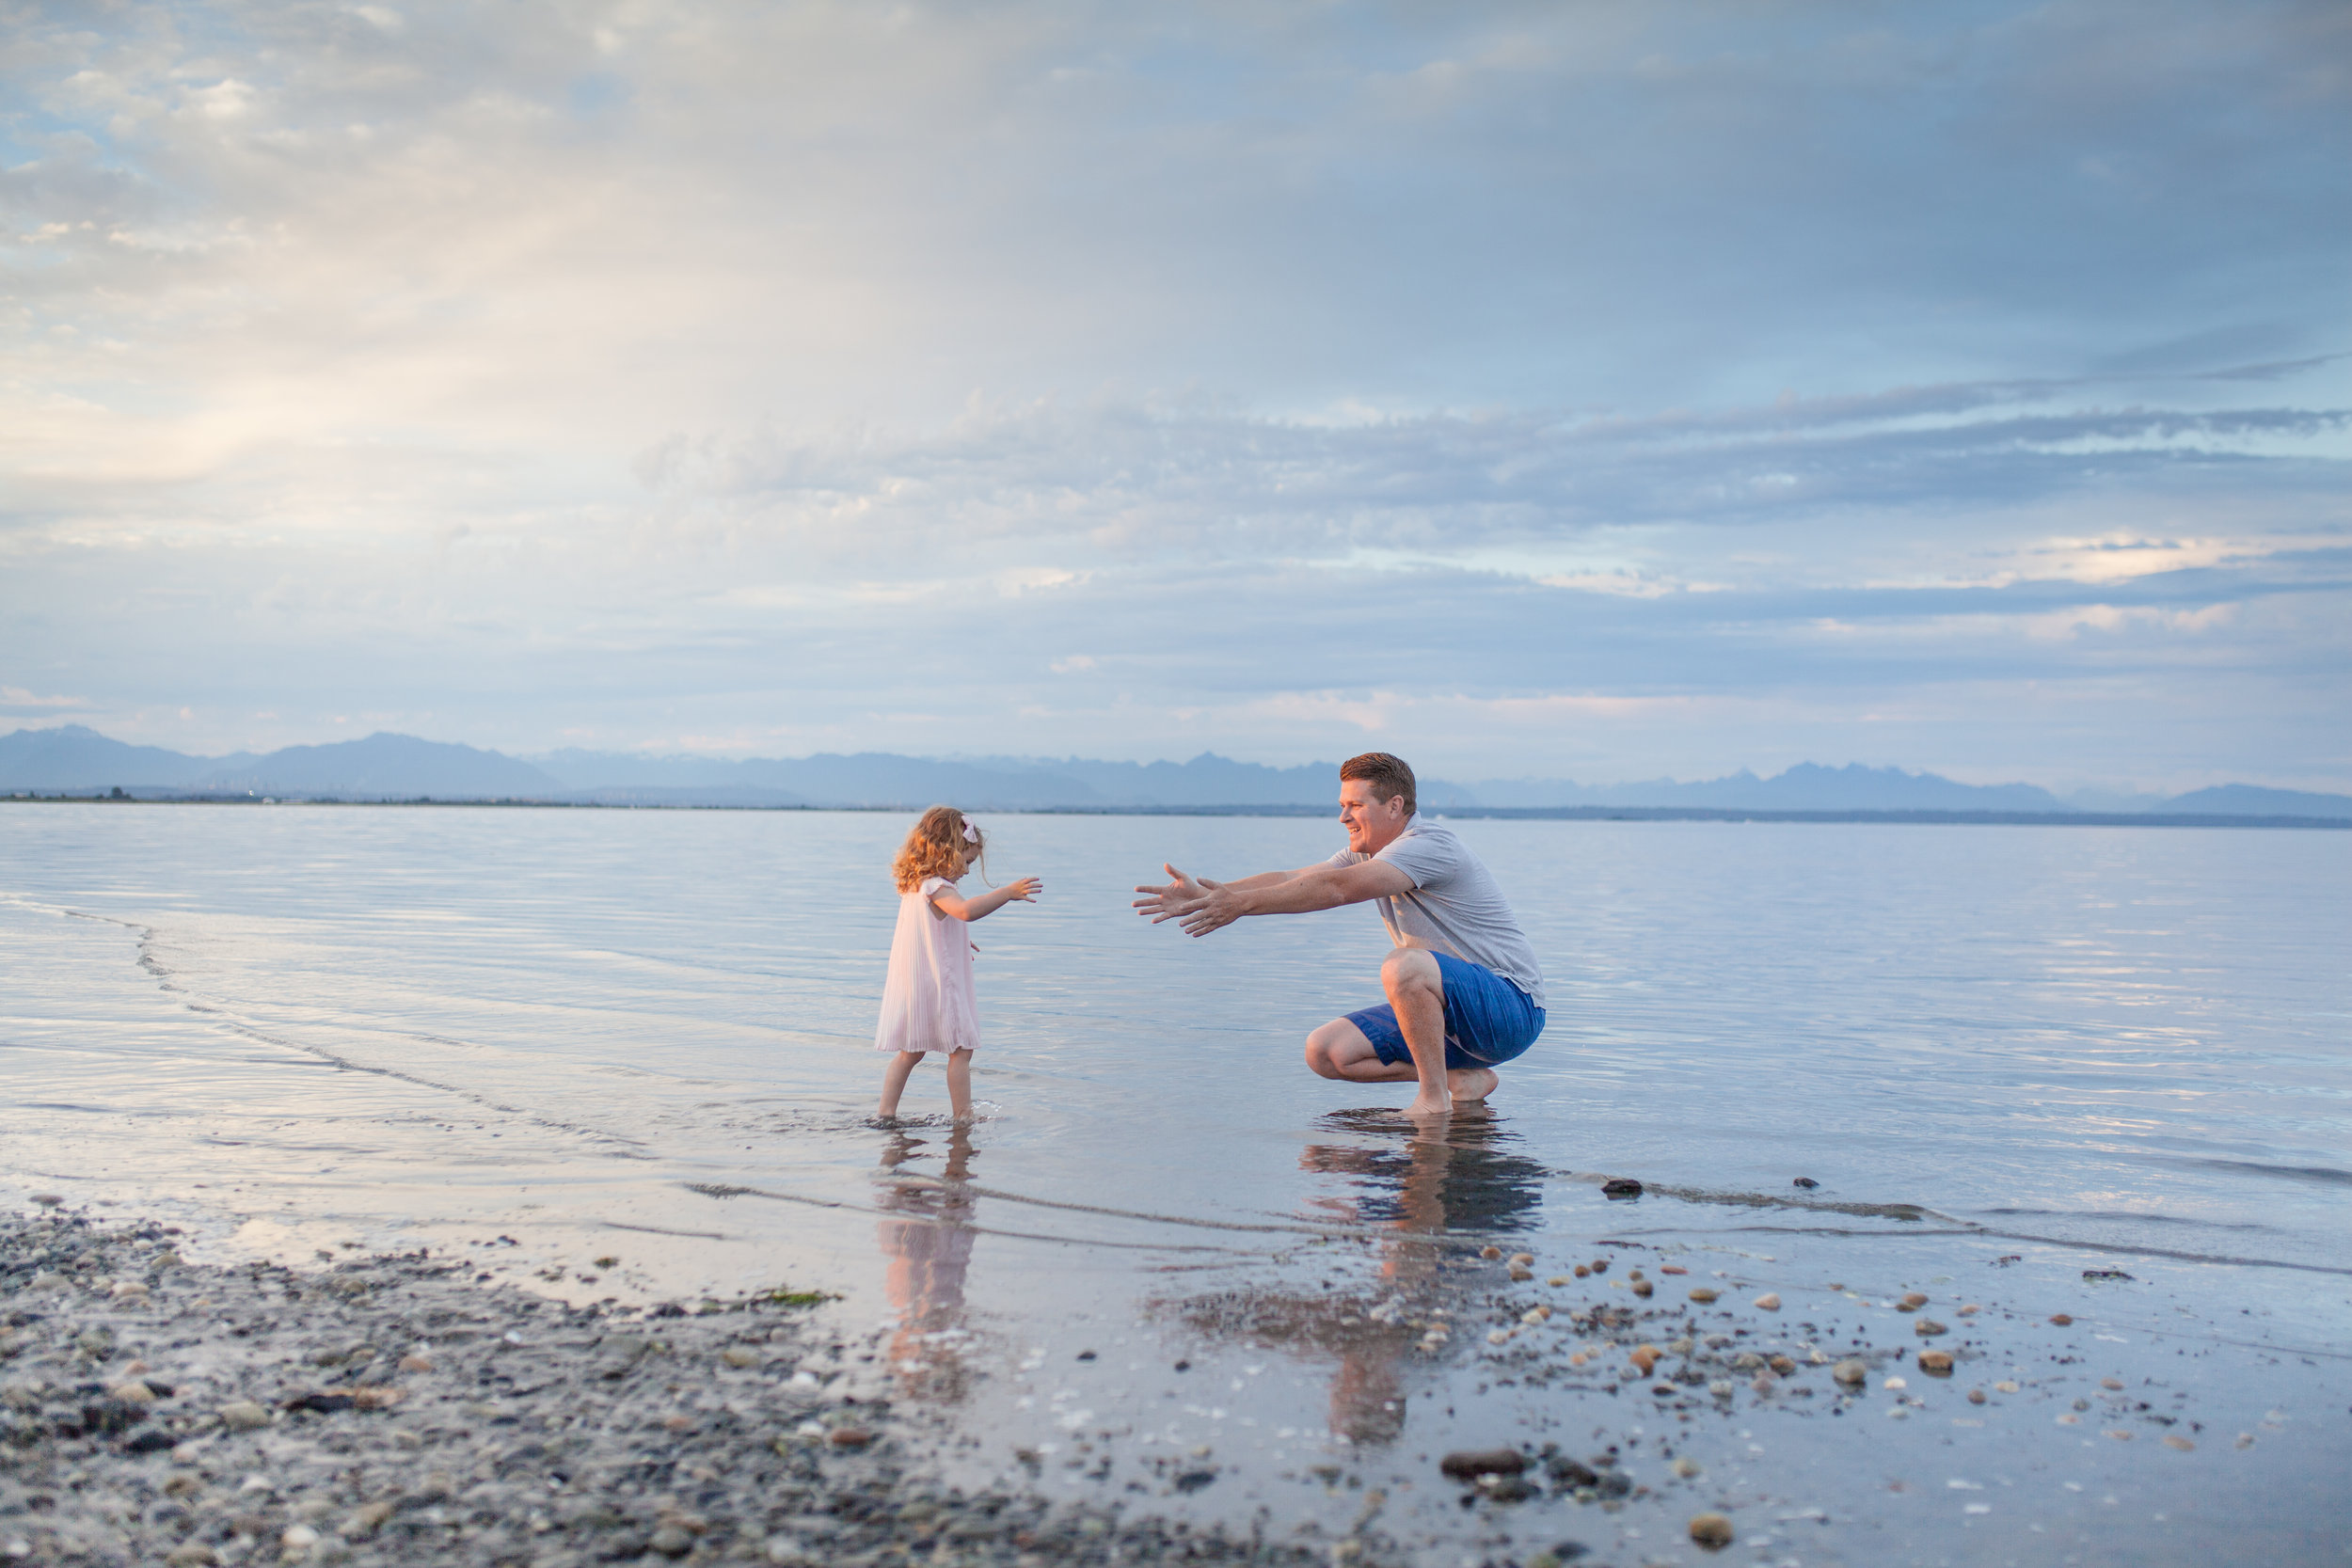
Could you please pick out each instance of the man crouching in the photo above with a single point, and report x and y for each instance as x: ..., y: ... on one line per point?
x: 1464, y: 991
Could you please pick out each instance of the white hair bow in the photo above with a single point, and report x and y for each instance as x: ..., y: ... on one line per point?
x: 971, y: 834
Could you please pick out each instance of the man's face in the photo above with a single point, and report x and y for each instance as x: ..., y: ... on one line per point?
x: 1372, y: 825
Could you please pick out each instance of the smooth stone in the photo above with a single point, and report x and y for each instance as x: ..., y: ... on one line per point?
x: 1711, y: 1531
x: 191, y: 1554
x: 2005, y: 1387
x: 299, y: 1538
x: 1928, y: 1328
x: 849, y: 1437
x: 1853, y: 1373
x: 47, y: 1200
x: 1470, y: 1464
x: 1937, y: 1362
x: 1768, y: 1302
x: 1642, y: 1288
x: 1688, y: 1468
x: 1805, y: 1181
x: 740, y: 1355
x: 670, y: 1540
x: 2061, y: 1319
x: 1912, y: 1302
x: 1975, y: 1396
x: 368, y: 1517
x: 1702, y: 1295
x: 244, y: 1416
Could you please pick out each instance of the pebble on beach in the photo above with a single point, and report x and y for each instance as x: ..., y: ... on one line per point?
x: 2061, y: 1319
x: 1911, y: 1302
x: 1768, y: 1301
x: 1470, y: 1464
x: 1937, y: 1363
x: 1702, y: 1294
x: 1711, y: 1531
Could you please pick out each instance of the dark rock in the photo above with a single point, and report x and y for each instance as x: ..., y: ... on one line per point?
x: 1470, y: 1464
x: 153, y: 1440
x: 2104, y: 1274
x: 1192, y: 1480
x: 321, y: 1404
x: 1806, y: 1182
x: 1621, y: 1186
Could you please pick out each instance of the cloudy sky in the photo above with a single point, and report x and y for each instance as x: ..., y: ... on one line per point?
x: 1586, y: 389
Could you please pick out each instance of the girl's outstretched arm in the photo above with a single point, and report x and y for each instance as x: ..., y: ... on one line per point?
x: 949, y: 902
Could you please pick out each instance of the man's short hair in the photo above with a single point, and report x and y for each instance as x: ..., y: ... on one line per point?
x: 1388, y: 775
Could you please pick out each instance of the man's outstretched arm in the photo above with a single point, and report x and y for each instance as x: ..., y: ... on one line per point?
x: 1203, y: 905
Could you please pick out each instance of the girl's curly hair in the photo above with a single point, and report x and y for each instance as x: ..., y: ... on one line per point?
x: 936, y: 847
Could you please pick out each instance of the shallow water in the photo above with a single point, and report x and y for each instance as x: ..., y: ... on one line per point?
x: 645, y: 1035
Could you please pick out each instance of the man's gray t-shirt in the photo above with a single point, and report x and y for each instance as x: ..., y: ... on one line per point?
x: 1454, y: 905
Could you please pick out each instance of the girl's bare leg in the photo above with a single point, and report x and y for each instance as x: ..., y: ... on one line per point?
x: 894, y: 1079
x: 959, y: 1084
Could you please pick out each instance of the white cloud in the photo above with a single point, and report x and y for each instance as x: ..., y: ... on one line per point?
x: 732, y: 371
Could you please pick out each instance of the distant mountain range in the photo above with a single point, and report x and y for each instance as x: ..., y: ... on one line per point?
x: 74, y: 760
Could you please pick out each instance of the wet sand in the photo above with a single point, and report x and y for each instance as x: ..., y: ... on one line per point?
x: 1631, y: 1404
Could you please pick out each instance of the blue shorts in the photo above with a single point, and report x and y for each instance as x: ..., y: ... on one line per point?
x: 1487, y: 1019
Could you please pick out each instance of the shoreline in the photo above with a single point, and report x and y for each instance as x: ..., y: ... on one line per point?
x: 1465, y: 813
x: 387, y: 1408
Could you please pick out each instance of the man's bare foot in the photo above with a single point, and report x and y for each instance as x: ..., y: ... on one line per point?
x: 1472, y: 1084
x: 1424, y: 1106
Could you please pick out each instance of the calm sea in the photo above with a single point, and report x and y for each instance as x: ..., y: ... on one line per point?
x: 645, y: 1036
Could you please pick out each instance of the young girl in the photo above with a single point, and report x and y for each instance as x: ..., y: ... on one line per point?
x: 926, y: 1002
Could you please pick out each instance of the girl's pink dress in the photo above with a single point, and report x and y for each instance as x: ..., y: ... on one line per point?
x: 928, y: 1003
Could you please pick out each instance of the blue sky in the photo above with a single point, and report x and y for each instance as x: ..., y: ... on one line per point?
x: 1599, y: 390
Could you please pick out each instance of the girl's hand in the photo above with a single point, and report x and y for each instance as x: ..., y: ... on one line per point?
x: 1023, y: 888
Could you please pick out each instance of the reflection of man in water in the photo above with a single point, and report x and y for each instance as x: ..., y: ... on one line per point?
x: 1464, y: 993
x: 1418, y: 1192
x: 927, y: 1253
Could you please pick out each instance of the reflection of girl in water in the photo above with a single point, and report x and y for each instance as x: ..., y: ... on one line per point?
x: 926, y: 1002
x: 927, y: 1253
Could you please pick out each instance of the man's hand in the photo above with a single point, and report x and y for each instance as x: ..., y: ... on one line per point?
x: 1170, y: 902
x: 1201, y: 904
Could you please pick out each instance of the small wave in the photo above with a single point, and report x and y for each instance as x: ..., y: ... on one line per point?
x: 2325, y: 1174
x: 2134, y: 1216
